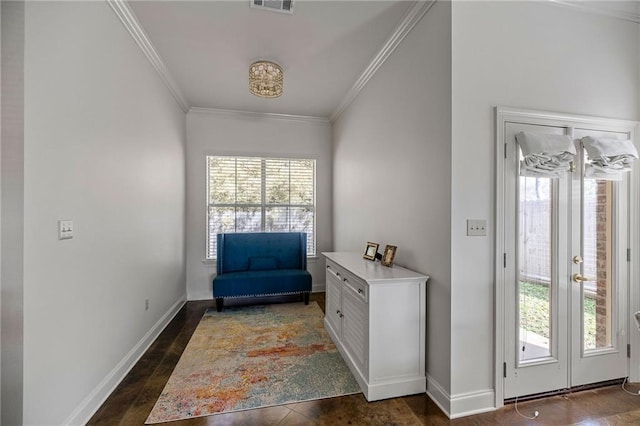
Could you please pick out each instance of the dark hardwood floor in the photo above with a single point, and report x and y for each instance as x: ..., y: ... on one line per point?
x: 134, y: 398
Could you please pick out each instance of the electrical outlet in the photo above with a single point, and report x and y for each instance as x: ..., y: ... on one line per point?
x: 146, y: 304
x: 476, y: 227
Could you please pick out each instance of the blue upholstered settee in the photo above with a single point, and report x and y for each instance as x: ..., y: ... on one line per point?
x: 259, y: 264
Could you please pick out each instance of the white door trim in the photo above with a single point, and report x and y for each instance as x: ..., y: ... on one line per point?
x: 508, y: 114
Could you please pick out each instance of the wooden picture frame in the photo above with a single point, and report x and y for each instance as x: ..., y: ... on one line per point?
x: 370, y: 251
x: 388, y: 255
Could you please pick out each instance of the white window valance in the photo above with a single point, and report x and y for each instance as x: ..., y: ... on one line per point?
x: 545, y: 155
x: 608, y: 159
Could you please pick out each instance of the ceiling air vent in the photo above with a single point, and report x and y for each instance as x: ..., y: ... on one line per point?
x: 284, y: 6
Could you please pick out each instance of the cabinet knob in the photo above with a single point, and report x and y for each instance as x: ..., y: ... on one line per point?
x: 360, y: 291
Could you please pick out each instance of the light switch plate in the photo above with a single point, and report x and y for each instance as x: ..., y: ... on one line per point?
x: 476, y: 227
x: 65, y: 229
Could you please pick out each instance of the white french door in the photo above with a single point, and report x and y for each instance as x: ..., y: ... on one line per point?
x: 599, y: 284
x: 565, y: 269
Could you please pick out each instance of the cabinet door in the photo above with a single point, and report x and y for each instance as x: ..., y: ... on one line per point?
x: 333, y: 306
x: 355, y: 326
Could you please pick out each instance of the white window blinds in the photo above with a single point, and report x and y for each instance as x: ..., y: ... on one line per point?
x: 255, y: 194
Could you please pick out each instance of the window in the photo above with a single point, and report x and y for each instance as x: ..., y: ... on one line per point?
x: 254, y: 194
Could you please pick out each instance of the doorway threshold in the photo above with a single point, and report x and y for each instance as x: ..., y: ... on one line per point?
x: 566, y: 391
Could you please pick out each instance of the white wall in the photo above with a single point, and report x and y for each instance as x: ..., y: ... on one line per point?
x: 12, y: 213
x: 521, y: 54
x: 104, y: 147
x: 392, y: 170
x: 1, y: 381
x: 226, y: 133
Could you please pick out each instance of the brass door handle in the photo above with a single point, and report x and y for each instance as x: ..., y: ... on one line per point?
x: 579, y: 278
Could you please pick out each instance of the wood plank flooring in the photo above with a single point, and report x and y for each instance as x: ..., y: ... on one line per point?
x: 134, y: 398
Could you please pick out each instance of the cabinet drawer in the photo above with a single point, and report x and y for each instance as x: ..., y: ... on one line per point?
x: 356, y: 285
x: 352, y: 283
x: 334, y: 271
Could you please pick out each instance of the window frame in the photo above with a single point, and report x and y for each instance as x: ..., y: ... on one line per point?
x: 263, y: 206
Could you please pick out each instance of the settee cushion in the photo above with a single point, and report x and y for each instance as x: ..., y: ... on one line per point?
x: 258, y: 283
x: 263, y: 263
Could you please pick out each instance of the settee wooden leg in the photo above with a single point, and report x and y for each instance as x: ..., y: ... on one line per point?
x: 306, y: 297
x: 219, y: 304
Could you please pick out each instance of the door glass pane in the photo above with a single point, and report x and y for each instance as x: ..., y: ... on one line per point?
x: 597, y: 253
x: 534, y: 266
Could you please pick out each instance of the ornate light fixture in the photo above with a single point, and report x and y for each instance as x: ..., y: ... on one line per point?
x: 265, y: 79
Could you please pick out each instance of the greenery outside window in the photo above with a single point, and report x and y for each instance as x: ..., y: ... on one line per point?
x: 257, y: 194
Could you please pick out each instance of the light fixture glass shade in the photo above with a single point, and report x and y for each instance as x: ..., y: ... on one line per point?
x: 265, y: 79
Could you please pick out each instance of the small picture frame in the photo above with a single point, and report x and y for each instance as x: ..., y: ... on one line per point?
x: 388, y: 255
x: 371, y: 250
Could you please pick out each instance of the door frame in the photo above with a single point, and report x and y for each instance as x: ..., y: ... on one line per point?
x: 525, y: 116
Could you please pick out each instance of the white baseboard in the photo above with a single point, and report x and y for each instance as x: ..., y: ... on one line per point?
x: 439, y: 395
x: 318, y: 287
x: 467, y: 404
x: 194, y: 296
x: 88, y: 407
x: 463, y: 404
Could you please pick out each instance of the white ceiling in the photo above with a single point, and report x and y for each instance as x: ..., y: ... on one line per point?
x: 324, y: 47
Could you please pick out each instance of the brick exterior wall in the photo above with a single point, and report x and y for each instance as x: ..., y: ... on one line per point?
x: 603, y: 262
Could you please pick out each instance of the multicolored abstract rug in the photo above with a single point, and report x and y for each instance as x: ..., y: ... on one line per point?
x: 255, y: 356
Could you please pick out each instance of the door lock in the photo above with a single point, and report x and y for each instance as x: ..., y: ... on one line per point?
x: 579, y: 278
x: 577, y: 260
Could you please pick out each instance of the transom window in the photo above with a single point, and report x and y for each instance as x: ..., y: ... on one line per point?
x: 257, y: 194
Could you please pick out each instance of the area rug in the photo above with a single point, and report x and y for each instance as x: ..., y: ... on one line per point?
x: 255, y: 356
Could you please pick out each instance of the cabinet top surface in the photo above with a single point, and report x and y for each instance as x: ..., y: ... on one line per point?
x: 369, y: 270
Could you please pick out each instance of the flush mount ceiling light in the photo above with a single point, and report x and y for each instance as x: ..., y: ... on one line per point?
x: 265, y: 79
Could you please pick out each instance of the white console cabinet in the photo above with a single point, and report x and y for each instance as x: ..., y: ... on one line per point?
x: 376, y: 316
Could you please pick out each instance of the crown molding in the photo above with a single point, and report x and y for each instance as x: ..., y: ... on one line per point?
x: 413, y: 16
x: 419, y: 9
x: 249, y: 114
x: 131, y: 23
x: 589, y: 7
